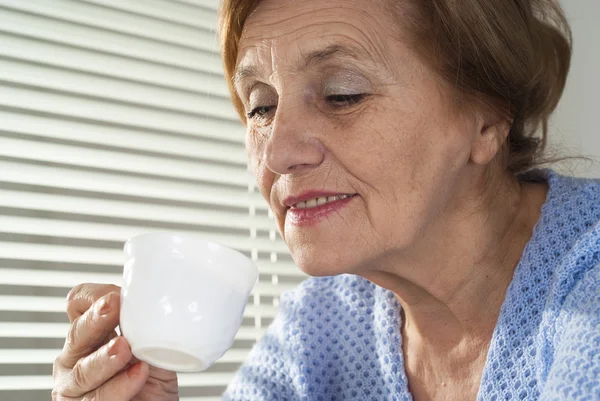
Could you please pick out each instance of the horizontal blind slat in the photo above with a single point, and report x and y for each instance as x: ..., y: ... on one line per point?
x: 120, y: 233
x: 122, y: 162
x: 82, y: 134
x: 60, y: 330
x: 114, y: 20
x: 33, y: 330
x: 99, y: 208
x: 35, y: 303
x: 46, y: 382
x: 200, y: 399
x: 42, y: 28
x: 179, y: 12
x: 12, y: 383
x: 207, y: 78
x: 107, y: 257
x: 204, y: 379
x: 116, y: 90
x: 208, y: 4
x: 69, y: 279
x: 120, y: 185
x: 133, y: 116
x: 19, y: 303
x: 39, y: 356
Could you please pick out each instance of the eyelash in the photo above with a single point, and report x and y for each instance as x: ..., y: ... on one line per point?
x: 340, y: 101
x: 337, y: 101
x: 257, y: 111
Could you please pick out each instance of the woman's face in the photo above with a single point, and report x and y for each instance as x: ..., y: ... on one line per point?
x: 355, y: 144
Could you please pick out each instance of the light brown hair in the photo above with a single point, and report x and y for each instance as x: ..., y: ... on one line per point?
x: 510, y: 56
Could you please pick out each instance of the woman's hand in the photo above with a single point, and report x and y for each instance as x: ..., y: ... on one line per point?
x: 95, y: 363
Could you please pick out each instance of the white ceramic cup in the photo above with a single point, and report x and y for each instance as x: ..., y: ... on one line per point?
x: 182, y: 299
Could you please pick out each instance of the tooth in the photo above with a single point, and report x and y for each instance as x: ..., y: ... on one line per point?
x: 311, y: 203
x: 320, y: 201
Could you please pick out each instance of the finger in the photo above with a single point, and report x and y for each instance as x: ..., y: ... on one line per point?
x: 81, y: 298
x: 122, y: 387
x: 97, y: 368
x: 90, y: 330
x: 158, y: 373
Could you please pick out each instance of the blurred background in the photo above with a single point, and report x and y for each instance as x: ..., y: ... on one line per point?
x: 114, y: 121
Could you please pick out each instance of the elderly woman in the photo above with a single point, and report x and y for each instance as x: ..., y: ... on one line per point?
x: 395, y: 142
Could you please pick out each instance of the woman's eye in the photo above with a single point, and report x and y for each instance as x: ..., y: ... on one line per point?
x: 344, y: 100
x: 260, y: 111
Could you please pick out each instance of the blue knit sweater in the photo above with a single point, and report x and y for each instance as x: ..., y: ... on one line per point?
x: 338, y: 338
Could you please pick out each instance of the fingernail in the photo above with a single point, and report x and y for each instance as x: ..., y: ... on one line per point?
x: 104, y: 307
x: 134, y: 370
x: 112, y: 348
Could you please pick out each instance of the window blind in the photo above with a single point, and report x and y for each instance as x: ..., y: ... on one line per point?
x: 114, y: 121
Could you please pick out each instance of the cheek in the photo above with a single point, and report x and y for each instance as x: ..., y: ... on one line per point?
x: 403, y: 158
x: 408, y: 143
x: 386, y: 148
x: 264, y: 177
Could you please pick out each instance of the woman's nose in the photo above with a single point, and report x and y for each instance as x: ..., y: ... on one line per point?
x: 293, y: 146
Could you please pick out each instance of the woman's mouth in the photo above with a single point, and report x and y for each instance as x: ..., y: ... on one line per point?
x: 311, y: 203
x: 311, y: 211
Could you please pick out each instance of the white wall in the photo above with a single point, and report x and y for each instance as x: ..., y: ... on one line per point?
x: 575, y: 129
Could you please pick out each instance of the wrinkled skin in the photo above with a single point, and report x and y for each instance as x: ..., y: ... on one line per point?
x: 96, y: 364
x: 338, y: 100
x: 376, y: 122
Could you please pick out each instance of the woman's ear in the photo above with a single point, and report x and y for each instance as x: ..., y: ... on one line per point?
x: 491, y: 138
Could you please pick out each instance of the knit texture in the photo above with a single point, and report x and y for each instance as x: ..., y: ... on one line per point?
x: 338, y: 338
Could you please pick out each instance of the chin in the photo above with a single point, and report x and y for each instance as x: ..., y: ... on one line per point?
x: 322, y: 263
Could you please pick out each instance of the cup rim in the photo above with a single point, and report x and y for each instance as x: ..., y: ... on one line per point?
x: 188, y: 237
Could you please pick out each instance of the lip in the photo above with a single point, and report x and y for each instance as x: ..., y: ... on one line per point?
x: 311, y: 216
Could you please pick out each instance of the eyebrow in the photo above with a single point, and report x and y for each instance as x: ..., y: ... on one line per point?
x: 312, y: 58
x: 319, y: 56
